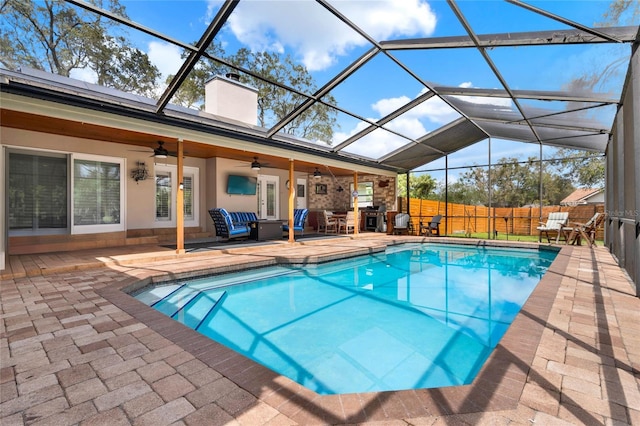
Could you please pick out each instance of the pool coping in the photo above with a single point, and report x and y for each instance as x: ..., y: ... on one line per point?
x: 498, y: 385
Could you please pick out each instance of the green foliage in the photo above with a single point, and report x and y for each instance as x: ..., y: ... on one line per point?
x: 274, y: 102
x: 422, y: 186
x: 582, y: 168
x: 513, y: 184
x: 53, y: 36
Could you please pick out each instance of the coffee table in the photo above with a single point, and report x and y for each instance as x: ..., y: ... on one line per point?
x: 263, y: 230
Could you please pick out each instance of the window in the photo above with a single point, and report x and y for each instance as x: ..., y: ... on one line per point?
x: 98, y: 194
x: 166, y: 177
x: 164, y: 198
x: 37, y: 199
x: 188, y: 197
x: 40, y: 201
x: 365, y: 194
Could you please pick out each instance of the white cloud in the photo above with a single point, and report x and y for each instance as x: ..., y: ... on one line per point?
x: 376, y: 144
x: 387, y: 106
x: 483, y: 100
x: 411, y: 123
x: 317, y: 37
x: 166, y: 57
x: 84, y: 74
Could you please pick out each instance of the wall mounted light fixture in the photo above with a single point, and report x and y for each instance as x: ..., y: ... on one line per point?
x: 140, y: 172
x: 317, y: 174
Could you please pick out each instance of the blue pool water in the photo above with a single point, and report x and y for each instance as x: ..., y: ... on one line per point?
x: 415, y: 316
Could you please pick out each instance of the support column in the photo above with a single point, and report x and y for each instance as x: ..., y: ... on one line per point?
x: 408, y: 193
x: 292, y: 195
x: 446, y: 195
x: 490, y: 235
x: 4, y: 256
x: 180, y: 200
x: 540, y: 189
x: 356, y: 229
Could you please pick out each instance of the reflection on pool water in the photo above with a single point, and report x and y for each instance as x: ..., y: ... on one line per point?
x: 415, y: 316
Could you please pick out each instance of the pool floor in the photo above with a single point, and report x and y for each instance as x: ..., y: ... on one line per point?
x: 417, y: 316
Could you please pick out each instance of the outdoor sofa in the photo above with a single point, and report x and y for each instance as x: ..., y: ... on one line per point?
x: 225, y: 225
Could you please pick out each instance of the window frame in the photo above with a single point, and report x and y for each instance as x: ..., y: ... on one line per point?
x: 105, y: 227
x: 362, y: 203
x: 40, y: 153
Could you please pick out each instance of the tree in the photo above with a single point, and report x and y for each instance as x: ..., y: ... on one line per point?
x: 513, y: 184
x: 622, y: 12
x: 53, y: 36
x: 274, y: 102
x: 586, y: 168
x: 190, y: 94
x: 470, y: 188
x: 422, y: 186
x: 461, y: 193
x: 582, y: 168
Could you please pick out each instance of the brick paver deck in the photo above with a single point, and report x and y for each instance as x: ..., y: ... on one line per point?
x: 75, y: 349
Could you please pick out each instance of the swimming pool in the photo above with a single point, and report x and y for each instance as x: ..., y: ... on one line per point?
x: 415, y: 316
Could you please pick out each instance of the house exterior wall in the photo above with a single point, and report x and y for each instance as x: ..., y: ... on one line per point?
x: 596, y: 198
x: 218, y: 169
x: 139, y: 197
x: 384, y: 192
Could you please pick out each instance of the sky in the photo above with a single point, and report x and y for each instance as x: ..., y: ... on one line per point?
x: 325, y: 46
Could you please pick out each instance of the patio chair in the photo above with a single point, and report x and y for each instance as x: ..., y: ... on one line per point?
x: 431, y: 228
x: 299, y: 219
x: 555, y: 223
x: 330, y: 223
x: 586, y: 230
x: 225, y: 227
x: 347, y: 223
x: 402, y: 224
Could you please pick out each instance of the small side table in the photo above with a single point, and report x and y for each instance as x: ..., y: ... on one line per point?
x: 263, y: 230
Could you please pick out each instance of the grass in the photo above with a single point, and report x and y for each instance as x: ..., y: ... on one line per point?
x: 504, y: 237
x: 500, y: 236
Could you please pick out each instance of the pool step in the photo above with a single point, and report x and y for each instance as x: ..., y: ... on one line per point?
x: 189, y: 305
x: 176, y: 300
x: 212, y: 311
x: 199, y: 307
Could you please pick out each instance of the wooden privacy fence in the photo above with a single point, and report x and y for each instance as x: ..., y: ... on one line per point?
x: 461, y: 219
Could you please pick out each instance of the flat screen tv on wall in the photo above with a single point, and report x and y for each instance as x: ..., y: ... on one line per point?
x: 242, y: 185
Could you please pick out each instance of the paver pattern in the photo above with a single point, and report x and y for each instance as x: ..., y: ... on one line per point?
x: 75, y: 349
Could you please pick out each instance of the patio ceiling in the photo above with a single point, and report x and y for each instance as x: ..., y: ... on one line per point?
x: 500, y: 108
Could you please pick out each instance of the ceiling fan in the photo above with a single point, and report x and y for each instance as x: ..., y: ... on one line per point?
x: 255, y: 165
x: 160, y: 151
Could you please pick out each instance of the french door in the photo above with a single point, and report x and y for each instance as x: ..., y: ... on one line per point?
x: 268, y: 197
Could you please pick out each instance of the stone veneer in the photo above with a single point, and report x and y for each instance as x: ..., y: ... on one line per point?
x: 384, y: 192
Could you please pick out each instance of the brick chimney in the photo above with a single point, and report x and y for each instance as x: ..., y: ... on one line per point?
x: 226, y: 96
